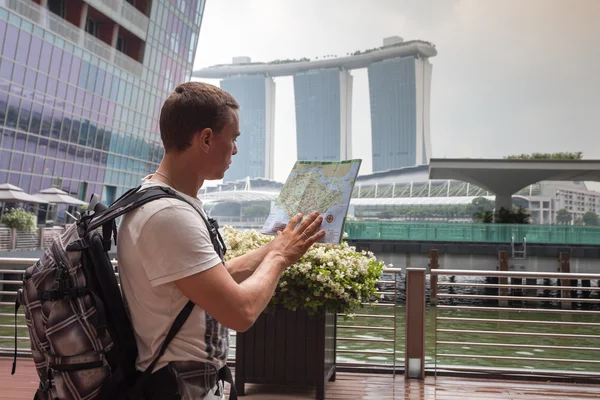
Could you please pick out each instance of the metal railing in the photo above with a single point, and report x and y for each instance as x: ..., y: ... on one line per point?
x: 508, y: 323
x: 52, y: 22
x: 121, y: 11
x: 383, y: 324
x: 38, y: 239
x: 133, y: 15
x: 5, y: 239
x: 514, y: 329
x: 351, y: 332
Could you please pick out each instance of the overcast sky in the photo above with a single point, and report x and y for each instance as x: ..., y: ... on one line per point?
x: 511, y: 76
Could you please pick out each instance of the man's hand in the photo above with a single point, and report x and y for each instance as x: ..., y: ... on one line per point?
x: 296, y: 239
x: 238, y: 305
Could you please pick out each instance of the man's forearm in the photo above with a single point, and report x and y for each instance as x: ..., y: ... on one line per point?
x: 242, y: 267
x: 258, y: 289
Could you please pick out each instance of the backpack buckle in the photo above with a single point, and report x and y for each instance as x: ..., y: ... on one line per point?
x: 214, y: 223
x: 44, y: 386
x: 68, y: 294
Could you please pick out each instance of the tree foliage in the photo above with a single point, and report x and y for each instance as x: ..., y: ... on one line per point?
x: 19, y: 219
x: 417, y: 212
x: 563, y: 217
x: 256, y: 211
x: 518, y: 215
x: 484, y: 216
x: 590, y: 218
x: 479, y: 205
x: 547, y: 156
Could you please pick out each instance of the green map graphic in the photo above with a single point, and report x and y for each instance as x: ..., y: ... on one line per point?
x: 325, y: 187
x: 306, y: 191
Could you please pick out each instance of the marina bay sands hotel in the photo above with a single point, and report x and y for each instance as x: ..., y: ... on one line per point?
x: 399, y: 76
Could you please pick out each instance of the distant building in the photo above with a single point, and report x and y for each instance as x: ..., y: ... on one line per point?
x: 81, y: 87
x: 400, y: 85
x: 256, y: 96
x: 412, y: 186
x: 399, y: 90
x: 323, y: 115
x: 408, y: 188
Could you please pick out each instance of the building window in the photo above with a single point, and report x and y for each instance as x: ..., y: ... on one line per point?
x: 91, y: 27
x: 58, y: 7
x: 57, y: 182
x: 121, y: 44
x: 83, y: 186
x: 110, y: 194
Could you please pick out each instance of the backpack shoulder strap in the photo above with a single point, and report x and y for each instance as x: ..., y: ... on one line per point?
x: 137, y: 197
x: 131, y: 200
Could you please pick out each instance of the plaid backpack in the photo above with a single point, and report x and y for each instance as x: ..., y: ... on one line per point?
x: 82, y: 340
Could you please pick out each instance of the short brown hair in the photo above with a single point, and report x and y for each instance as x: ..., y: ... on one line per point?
x: 192, y: 107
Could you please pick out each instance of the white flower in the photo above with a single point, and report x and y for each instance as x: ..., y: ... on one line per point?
x: 335, y: 276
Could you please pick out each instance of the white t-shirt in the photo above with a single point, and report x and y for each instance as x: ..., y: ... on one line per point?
x: 159, y: 243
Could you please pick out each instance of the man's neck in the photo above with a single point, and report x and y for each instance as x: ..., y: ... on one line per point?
x: 179, y: 176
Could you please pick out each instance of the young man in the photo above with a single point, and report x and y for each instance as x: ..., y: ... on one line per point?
x: 166, y: 256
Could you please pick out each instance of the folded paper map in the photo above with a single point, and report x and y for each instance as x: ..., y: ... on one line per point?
x: 325, y: 187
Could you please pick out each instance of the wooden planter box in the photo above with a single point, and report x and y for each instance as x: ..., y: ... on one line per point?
x: 287, y: 348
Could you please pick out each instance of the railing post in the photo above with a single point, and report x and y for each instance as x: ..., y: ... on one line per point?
x: 13, y: 238
x: 433, y: 279
x: 564, y: 260
x: 414, y: 349
x: 503, y: 280
x: 41, y: 237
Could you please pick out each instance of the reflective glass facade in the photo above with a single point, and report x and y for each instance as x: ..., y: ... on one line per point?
x: 252, y: 93
x: 399, y: 94
x: 72, y: 115
x: 318, y: 110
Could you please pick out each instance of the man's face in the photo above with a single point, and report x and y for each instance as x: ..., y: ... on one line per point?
x: 223, y: 147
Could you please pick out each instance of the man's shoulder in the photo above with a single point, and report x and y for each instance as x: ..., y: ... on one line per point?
x: 181, y: 200
x: 162, y: 210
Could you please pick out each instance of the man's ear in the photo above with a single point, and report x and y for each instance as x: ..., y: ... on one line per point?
x: 203, y: 139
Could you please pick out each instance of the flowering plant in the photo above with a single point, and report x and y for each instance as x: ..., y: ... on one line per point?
x: 334, y: 278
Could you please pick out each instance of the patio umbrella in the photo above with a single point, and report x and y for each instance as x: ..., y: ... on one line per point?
x: 13, y: 194
x: 57, y: 196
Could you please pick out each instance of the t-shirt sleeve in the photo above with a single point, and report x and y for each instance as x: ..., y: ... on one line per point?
x: 174, y: 243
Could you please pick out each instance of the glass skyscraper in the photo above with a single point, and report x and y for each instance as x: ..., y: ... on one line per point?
x: 256, y: 96
x: 81, y: 86
x: 323, y: 114
x: 399, y: 92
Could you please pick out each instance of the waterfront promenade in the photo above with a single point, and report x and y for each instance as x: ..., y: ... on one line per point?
x: 480, y: 343
x: 357, y: 386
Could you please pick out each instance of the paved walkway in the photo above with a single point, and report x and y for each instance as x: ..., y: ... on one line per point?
x: 22, y: 386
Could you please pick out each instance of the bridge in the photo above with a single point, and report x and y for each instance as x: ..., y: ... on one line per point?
x: 533, y: 248
x: 472, y: 233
